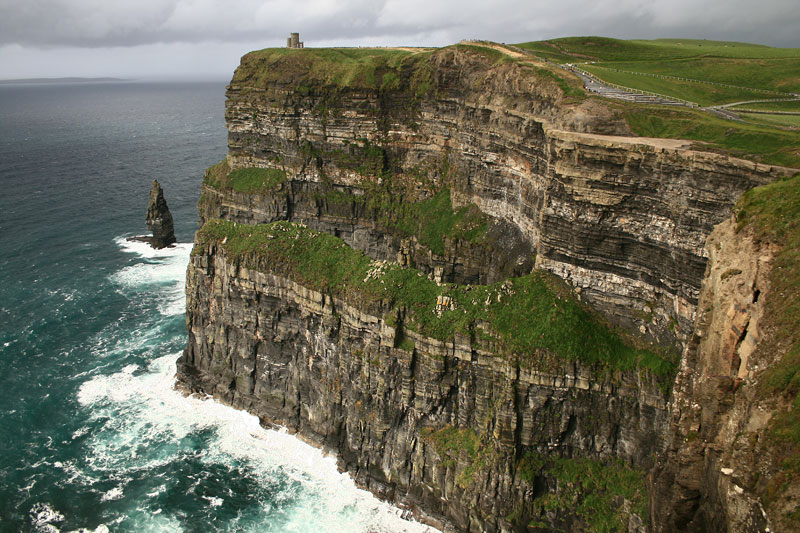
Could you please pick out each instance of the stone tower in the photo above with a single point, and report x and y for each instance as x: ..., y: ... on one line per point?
x: 294, y: 41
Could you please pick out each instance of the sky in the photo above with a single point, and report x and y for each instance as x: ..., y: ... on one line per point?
x: 204, y: 39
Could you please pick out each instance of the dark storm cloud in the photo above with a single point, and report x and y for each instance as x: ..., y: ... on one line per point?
x: 105, y: 23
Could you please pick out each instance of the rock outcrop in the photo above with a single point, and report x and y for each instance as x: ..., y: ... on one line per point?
x: 159, y: 219
x: 468, y: 169
x: 464, y: 435
x: 705, y: 481
x: 623, y: 218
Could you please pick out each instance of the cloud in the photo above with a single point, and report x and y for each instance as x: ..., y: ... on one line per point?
x: 141, y: 37
x: 104, y: 23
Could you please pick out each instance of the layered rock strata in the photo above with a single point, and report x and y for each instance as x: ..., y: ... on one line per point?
x: 623, y: 219
x: 338, y: 374
x: 503, y: 253
x: 468, y: 438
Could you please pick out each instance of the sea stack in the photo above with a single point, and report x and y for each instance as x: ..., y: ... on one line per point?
x: 159, y: 219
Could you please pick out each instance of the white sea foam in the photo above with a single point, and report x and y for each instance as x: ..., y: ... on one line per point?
x: 114, y: 494
x: 166, y: 266
x: 114, y: 342
x: 80, y: 432
x: 102, y: 528
x: 42, y: 517
x: 213, y: 501
x: 143, y: 249
x: 139, y: 423
x: 149, y: 409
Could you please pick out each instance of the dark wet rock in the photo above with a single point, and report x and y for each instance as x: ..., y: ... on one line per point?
x: 159, y: 220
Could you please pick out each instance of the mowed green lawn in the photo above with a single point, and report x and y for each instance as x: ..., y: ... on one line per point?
x: 792, y: 106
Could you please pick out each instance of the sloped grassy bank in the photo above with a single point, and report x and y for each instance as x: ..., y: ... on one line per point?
x: 521, y: 316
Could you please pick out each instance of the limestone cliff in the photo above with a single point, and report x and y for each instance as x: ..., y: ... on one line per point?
x: 624, y: 219
x: 447, y: 367
x: 463, y: 427
x: 732, y: 459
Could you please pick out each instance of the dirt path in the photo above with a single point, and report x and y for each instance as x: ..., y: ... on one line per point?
x: 499, y: 48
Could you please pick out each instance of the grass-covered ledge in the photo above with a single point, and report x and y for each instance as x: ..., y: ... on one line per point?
x: 526, y: 317
x: 247, y: 180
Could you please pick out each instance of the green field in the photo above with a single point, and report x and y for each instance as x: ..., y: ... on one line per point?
x: 782, y: 121
x: 792, y: 106
x: 704, y: 94
x: 759, y: 142
x: 607, y: 49
x: 750, y: 68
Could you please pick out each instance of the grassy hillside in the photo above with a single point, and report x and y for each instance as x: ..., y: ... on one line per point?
x: 607, y: 49
x: 709, y: 73
x: 746, y: 70
x: 758, y: 141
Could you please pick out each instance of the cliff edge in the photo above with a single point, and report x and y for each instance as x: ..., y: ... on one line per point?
x: 473, y: 284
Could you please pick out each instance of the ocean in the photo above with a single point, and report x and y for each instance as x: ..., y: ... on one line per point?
x: 93, y: 436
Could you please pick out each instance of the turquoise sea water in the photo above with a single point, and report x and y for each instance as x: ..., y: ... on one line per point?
x: 92, y: 435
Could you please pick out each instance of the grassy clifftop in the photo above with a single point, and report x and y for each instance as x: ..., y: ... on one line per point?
x: 339, y: 67
x: 411, y: 70
x: 709, y: 72
x: 741, y: 65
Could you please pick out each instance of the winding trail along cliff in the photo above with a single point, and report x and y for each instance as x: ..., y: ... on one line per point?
x: 443, y: 373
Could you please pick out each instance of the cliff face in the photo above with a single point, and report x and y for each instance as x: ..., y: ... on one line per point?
x: 454, y: 429
x: 715, y: 411
x: 733, y: 444
x: 470, y: 169
x: 623, y: 219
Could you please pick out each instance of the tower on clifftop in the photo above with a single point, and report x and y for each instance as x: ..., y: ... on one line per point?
x: 294, y: 41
